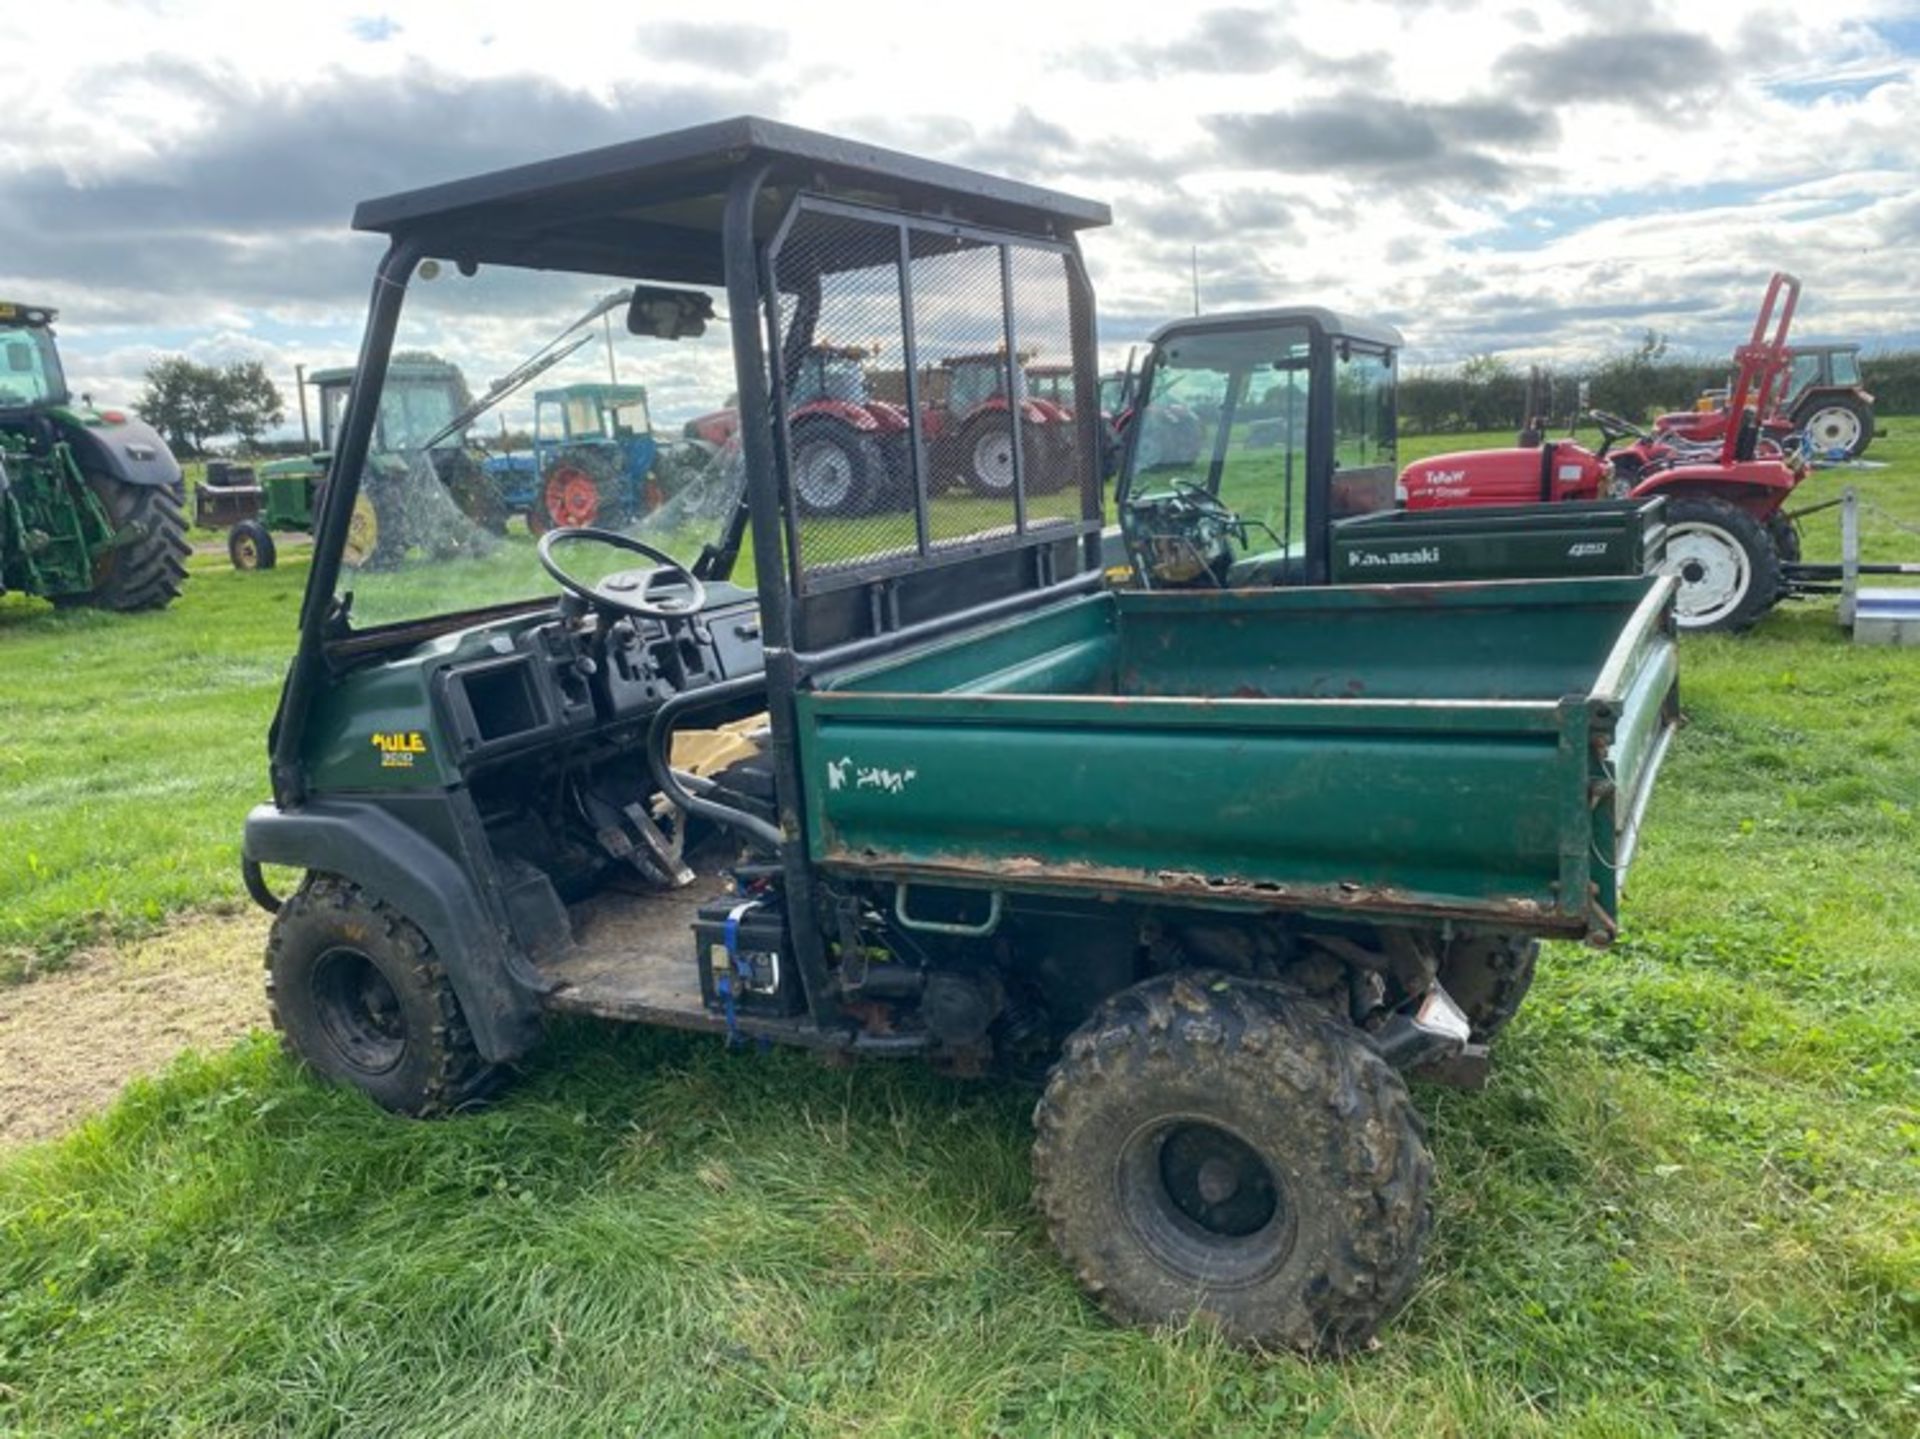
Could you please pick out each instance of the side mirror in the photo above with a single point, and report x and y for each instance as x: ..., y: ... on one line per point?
x: 19, y: 357
x: 668, y: 314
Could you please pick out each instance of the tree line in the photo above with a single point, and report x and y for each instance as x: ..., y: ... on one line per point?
x: 193, y: 404
x: 1489, y: 392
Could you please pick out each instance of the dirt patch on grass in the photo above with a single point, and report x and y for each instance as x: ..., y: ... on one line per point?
x: 70, y: 1040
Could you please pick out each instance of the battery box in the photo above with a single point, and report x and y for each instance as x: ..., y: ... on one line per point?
x: 745, y: 940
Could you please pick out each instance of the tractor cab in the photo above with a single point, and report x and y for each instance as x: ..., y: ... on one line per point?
x: 1251, y: 434
x: 832, y: 374
x: 30, y: 371
x: 420, y: 398
x: 416, y: 427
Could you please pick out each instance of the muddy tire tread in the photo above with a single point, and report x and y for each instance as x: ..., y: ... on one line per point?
x: 1192, y: 1021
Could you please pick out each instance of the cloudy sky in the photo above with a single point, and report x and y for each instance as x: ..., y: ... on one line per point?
x: 177, y: 175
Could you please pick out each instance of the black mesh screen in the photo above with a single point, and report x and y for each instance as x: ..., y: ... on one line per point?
x: 849, y: 451
x: 1050, y: 434
x: 928, y: 405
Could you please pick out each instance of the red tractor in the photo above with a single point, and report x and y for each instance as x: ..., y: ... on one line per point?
x: 849, y: 448
x: 1727, y: 539
x: 969, y: 430
x: 1817, y: 394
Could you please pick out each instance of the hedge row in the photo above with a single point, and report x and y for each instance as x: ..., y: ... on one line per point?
x: 1488, y: 394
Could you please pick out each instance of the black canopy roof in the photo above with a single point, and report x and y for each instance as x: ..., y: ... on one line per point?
x: 651, y: 208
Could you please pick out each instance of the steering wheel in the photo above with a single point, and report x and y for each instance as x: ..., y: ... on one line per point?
x: 1204, y: 500
x: 1612, y: 428
x: 641, y: 603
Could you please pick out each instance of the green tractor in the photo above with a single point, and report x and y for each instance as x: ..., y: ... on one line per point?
x: 422, y: 399
x: 90, y: 500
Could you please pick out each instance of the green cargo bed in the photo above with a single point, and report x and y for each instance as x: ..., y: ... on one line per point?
x: 1475, y: 752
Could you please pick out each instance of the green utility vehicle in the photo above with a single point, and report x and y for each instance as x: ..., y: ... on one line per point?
x: 1223, y: 865
x: 421, y: 398
x: 90, y: 499
x: 1261, y: 451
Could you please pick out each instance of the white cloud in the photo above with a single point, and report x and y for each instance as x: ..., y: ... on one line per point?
x: 1563, y: 205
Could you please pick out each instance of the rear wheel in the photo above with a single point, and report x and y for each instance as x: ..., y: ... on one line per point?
x: 1837, y: 425
x: 147, y: 572
x: 358, y: 994
x: 250, y: 546
x: 581, y: 487
x: 1206, y: 1147
x: 471, y: 487
x: 1728, y: 568
x: 1488, y: 976
x: 986, y: 455
x: 835, y: 471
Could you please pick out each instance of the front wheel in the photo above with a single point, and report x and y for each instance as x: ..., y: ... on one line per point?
x: 1728, y: 567
x: 358, y: 993
x: 250, y: 546
x: 1208, y: 1147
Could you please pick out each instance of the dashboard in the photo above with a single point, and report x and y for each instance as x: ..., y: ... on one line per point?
x: 574, y: 674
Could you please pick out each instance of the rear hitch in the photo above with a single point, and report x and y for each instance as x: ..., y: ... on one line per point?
x: 1436, y: 1030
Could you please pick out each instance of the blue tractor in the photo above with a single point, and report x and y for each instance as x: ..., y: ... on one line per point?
x: 594, y: 457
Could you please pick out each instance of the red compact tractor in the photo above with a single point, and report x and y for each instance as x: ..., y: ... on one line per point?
x: 1728, y: 538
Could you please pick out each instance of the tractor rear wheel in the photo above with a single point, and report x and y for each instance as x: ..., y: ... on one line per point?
x: 581, y: 487
x: 147, y: 572
x: 835, y: 470
x: 250, y: 546
x: 1837, y: 425
x: 1213, y: 1147
x: 1728, y: 567
x: 358, y: 994
x: 1488, y: 976
x: 986, y: 455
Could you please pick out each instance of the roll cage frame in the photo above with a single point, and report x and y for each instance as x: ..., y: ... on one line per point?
x: 711, y: 206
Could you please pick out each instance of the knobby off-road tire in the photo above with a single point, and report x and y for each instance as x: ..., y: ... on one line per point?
x: 148, y: 573
x: 1207, y: 1147
x: 357, y: 994
x: 1728, y: 566
x: 1488, y: 976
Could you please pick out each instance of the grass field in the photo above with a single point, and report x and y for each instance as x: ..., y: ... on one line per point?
x: 1689, y: 1202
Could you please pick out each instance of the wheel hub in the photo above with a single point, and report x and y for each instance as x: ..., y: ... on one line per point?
x: 359, y: 1011
x: 993, y: 459
x: 1834, y: 428
x: 572, y: 497
x: 1204, y: 1201
x: 824, y: 476
x: 1714, y: 572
